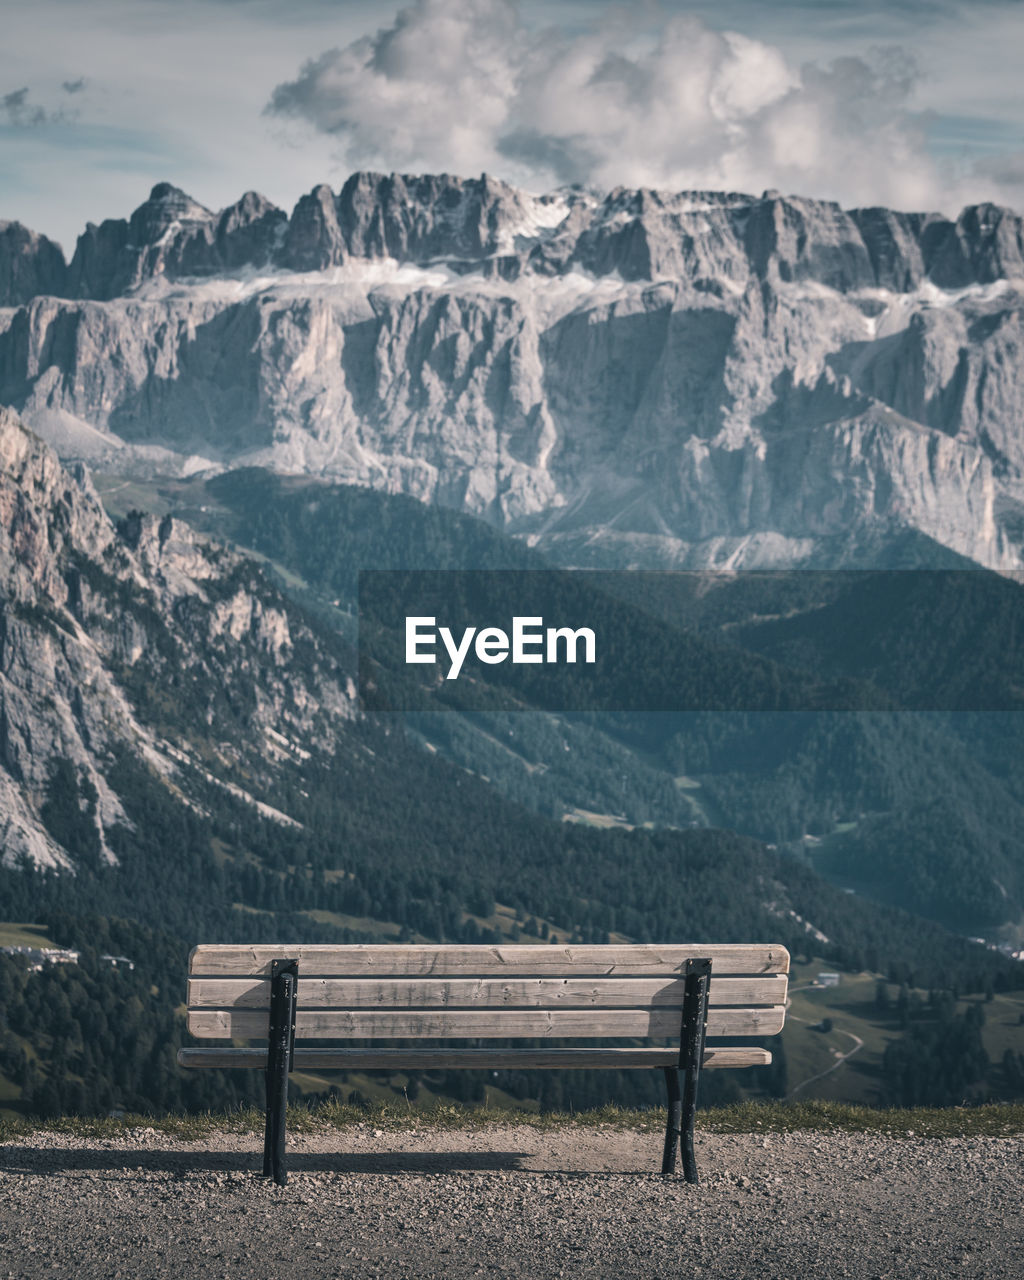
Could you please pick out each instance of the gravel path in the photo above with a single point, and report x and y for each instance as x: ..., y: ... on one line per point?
x: 511, y: 1201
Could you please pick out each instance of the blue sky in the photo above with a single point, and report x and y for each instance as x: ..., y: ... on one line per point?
x: 917, y: 103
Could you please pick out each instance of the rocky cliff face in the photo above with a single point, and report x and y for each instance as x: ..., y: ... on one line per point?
x: 646, y: 378
x: 143, y: 637
x: 30, y: 264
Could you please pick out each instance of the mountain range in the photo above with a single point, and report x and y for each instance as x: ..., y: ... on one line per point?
x: 634, y: 379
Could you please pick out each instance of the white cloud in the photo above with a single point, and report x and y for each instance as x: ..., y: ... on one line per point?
x: 437, y: 84
x: 468, y: 86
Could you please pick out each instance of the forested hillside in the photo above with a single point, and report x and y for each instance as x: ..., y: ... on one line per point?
x: 831, y: 786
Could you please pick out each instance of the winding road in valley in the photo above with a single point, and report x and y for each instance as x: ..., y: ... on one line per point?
x: 858, y: 1044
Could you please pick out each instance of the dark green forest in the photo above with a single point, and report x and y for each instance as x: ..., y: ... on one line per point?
x: 87, y: 1037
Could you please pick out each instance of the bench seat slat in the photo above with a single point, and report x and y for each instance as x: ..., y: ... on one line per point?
x: 481, y: 993
x: 489, y: 1059
x: 384, y: 960
x: 369, y: 1024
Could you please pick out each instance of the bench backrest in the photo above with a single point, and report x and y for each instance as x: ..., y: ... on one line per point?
x: 486, y: 992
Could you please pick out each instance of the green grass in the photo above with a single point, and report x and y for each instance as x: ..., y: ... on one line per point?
x: 13, y: 934
x: 996, y: 1120
x: 9, y: 1091
x: 119, y: 495
x: 853, y: 1011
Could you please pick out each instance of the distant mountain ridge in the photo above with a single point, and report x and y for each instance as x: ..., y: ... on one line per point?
x: 642, y: 234
x: 644, y: 378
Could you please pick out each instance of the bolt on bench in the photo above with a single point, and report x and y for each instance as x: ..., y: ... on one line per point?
x: 288, y: 993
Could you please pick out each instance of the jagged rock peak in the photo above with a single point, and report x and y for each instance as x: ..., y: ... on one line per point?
x: 30, y: 264
x: 167, y: 207
x: 406, y: 215
x: 411, y: 217
x: 174, y: 204
x: 249, y: 208
x: 173, y: 236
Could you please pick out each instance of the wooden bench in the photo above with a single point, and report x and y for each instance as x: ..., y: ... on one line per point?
x: 556, y: 993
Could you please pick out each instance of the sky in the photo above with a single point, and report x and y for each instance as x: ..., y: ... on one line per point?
x: 917, y: 104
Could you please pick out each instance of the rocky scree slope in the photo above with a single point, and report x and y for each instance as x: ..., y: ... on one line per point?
x: 143, y: 637
x: 641, y: 378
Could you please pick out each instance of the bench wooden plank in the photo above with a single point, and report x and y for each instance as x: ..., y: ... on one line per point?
x: 431, y: 993
x: 369, y: 1024
x: 385, y: 960
x: 489, y: 1059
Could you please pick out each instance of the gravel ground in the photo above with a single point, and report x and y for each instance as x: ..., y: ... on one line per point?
x: 511, y: 1201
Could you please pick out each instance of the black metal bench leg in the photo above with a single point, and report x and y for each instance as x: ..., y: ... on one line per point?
x: 280, y: 1111
x: 672, y: 1129
x: 689, y: 1110
x: 280, y: 1048
x: 691, y: 1056
x: 268, y: 1131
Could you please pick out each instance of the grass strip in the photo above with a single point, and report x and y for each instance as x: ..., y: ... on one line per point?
x: 991, y: 1120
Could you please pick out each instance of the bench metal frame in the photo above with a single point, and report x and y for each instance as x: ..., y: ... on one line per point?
x: 284, y: 982
x: 682, y: 1107
x: 682, y: 1110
